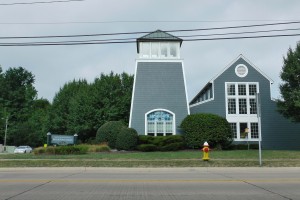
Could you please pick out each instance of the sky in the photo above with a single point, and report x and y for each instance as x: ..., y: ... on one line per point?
x: 53, y: 66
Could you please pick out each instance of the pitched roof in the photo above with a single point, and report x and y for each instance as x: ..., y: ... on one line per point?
x: 248, y: 61
x: 209, y: 84
x: 158, y: 36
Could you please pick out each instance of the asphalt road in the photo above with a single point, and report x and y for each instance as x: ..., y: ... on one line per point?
x: 149, y: 183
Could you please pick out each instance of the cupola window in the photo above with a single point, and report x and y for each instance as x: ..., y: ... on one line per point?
x: 159, y: 50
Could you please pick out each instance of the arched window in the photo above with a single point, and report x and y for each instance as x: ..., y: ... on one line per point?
x: 160, y: 123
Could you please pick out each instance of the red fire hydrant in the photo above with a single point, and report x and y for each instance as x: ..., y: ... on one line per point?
x: 205, y: 150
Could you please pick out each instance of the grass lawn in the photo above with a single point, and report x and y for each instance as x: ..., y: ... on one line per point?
x: 236, y: 158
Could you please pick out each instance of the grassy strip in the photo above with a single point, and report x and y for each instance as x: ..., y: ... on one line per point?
x: 147, y: 163
x: 238, y: 158
x: 237, y: 154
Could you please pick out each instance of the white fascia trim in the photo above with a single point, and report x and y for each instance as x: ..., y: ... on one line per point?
x: 241, y: 118
x: 132, y: 96
x: 208, y: 100
x: 161, y: 109
x: 246, y: 140
x: 186, y: 96
x: 159, y: 60
x: 202, y: 102
x: 250, y: 63
x: 255, y: 67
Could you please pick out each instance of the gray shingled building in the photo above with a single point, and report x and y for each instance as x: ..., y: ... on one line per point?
x: 233, y: 94
x: 159, y: 99
x: 241, y: 93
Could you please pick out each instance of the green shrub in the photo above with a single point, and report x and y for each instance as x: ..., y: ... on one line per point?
x: 98, y: 148
x: 127, y: 139
x: 66, y: 150
x: 102, y: 148
x: 61, y: 150
x: 163, y: 143
x: 39, y: 150
x: 50, y: 150
x: 167, y: 140
x: 202, y: 127
x: 173, y: 147
x: 145, y: 139
x: 108, y: 132
x: 147, y: 147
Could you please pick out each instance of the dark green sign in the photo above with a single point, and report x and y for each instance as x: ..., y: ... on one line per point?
x: 62, y: 139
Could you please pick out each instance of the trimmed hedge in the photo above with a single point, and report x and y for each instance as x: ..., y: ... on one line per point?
x: 161, y: 143
x: 108, y: 132
x: 202, y: 127
x: 61, y: 150
x: 98, y: 148
x: 147, y: 147
x: 127, y: 139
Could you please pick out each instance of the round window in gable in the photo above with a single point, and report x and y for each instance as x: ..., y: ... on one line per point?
x: 241, y: 70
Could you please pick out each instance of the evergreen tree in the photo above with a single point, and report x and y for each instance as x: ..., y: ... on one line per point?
x: 289, y: 106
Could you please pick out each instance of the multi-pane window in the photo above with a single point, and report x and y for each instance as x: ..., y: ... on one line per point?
x: 151, y: 127
x: 231, y: 106
x: 242, y: 106
x: 173, y: 50
x: 234, y: 130
x: 162, y: 50
x: 253, y: 106
x: 145, y: 50
x: 254, y: 130
x: 239, y: 130
x: 230, y: 89
x: 242, y: 89
x: 243, y: 130
x: 241, y: 96
x: 252, y: 89
x: 154, y: 50
x: 160, y: 123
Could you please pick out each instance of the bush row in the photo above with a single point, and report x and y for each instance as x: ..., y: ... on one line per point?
x: 160, y: 143
x: 62, y: 150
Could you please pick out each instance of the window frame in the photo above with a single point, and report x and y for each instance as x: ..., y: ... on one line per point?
x: 236, y: 118
x: 146, y: 49
x: 165, y: 124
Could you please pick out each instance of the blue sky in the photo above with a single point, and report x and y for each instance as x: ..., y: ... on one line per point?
x: 53, y: 66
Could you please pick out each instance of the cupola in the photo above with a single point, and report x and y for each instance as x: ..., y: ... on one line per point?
x: 159, y: 45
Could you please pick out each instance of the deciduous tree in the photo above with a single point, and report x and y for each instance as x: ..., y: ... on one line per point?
x: 289, y: 106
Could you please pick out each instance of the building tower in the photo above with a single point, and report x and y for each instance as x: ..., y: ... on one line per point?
x: 159, y: 98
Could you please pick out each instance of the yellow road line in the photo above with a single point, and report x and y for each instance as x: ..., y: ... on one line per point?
x: 148, y: 181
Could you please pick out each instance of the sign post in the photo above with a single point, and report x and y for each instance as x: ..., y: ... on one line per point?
x: 48, y: 138
x: 258, y: 107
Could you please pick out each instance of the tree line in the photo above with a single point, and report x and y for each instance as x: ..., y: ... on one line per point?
x: 78, y: 107
x: 81, y: 107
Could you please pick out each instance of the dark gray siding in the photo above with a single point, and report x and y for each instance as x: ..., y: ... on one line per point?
x: 277, y: 132
x: 158, y: 85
